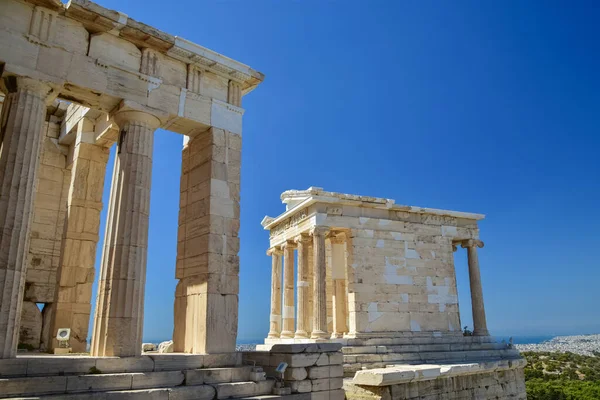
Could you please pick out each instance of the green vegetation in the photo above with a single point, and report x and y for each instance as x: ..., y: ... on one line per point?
x: 562, y: 376
x: 25, y: 346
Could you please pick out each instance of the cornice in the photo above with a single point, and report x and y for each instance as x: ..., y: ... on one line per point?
x: 318, y: 195
x: 99, y: 19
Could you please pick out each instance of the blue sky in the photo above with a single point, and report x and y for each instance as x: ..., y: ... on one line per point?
x: 489, y: 107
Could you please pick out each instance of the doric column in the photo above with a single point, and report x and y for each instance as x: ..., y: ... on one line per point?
x: 288, y: 290
x: 338, y: 275
x: 302, y: 319
x: 319, y: 284
x: 275, y: 320
x: 120, y: 307
x: 479, y: 322
x: 80, y: 237
x: 19, y: 160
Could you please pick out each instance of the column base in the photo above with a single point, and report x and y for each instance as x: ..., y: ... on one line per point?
x: 478, y: 332
x: 273, y: 335
x: 287, y: 335
x: 319, y: 335
x: 301, y: 335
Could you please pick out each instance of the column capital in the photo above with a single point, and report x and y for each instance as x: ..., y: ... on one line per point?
x: 336, y: 237
x: 42, y: 90
x: 122, y: 117
x: 288, y: 244
x: 274, y: 251
x: 302, y: 238
x: 471, y: 243
x: 318, y: 231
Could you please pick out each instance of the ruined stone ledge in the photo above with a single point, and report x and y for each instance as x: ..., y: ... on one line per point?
x: 399, y: 374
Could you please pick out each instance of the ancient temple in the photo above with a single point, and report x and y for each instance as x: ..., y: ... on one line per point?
x: 368, y: 268
x: 77, y: 79
x: 379, y: 278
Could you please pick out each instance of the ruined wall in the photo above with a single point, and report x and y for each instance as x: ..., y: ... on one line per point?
x: 499, y: 385
x: 49, y: 212
x: 313, y: 369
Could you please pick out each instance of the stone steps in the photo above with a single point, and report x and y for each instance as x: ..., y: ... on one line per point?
x: 415, y: 348
x: 243, y: 389
x: 47, y: 365
x: 209, y: 382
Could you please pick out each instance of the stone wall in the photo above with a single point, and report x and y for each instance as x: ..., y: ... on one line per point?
x: 313, y: 369
x: 400, y: 264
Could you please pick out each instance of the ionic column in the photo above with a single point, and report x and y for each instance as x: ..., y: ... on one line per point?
x: 120, y: 308
x: 275, y: 320
x: 288, y: 290
x: 19, y: 160
x: 338, y: 275
x: 319, y: 284
x: 302, y: 318
x: 479, y: 322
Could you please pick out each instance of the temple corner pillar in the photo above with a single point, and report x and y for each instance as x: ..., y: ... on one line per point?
x: 207, y: 269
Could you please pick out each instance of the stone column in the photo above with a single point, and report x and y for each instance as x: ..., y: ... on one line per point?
x: 338, y: 274
x: 319, y: 283
x: 288, y: 291
x: 275, y: 320
x: 479, y: 322
x: 208, y: 266
x: 302, y: 319
x: 80, y: 238
x: 19, y: 160
x: 119, y: 315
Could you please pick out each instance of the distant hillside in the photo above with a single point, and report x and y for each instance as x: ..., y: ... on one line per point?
x: 562, y: 376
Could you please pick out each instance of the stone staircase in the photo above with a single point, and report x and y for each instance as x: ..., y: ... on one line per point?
x: 155, y: 377
x: 381, y: 353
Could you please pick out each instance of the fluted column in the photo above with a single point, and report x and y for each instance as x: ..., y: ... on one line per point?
x: 338, y: 275
x: 302, y: 318
x: 275, y: 320
x: 288, y: 290
x: 120, y: 309
x: 319, y: 284
x: 19, y: 160
x: 479, y: 321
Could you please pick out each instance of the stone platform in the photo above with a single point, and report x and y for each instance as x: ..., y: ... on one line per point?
x: 314, y: 373
x: 156, y: 376
x: 369, y: 353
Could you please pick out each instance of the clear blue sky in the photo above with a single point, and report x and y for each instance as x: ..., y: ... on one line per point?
x: 489, y: 107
